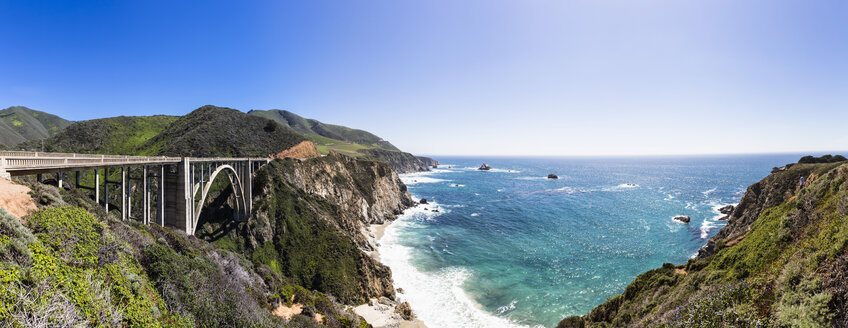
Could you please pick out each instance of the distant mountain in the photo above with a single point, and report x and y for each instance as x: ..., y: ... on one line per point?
x: 333, y: 137
x: 123, y: 135
x: 348, y: 141
x: 19, y: 124
x: 218, y: 131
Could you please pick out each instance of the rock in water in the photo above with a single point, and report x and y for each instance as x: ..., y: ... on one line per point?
x: 404, y: 310
x: 726, y: 209
x: 485, y: 167
x: 423, y: 201
x: 552, y: 176
x: 682, y: 218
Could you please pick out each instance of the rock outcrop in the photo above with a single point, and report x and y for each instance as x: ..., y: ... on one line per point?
x: 305, y: 149
x: 402, y: 162
x: 484, y: 167
x: 682, y: 218
x: 429, y: 162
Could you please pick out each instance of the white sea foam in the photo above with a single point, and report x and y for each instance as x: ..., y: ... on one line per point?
x: 567, y: 190
x: 669, y: 197
x: 490, y: 170
x: 623, y: 186
x: 457, y: 185
x: 706, y: 226
x: 475, y: 214
x: 708, y: 192
x: 436, y: 297
x: 507, y: 308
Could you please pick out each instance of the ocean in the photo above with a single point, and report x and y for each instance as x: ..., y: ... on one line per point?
x: 510, y: 248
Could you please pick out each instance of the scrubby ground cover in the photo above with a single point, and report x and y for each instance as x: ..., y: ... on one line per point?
x: 69, y: 264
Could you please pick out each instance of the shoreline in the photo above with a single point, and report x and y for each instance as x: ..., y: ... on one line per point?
x: 381, y: 313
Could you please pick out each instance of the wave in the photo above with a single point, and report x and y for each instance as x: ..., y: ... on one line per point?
x: 420, y: 179
x: 475, y: 214
x: 669, y: 197
x: 623, y: 186
x: 457, y: 185
x: 567, y: 190
x: 437, y: 297
x: 708, y: 192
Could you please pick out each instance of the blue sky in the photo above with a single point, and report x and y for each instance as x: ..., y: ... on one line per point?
x: 455, y: 77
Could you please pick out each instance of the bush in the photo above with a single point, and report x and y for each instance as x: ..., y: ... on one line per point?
x: 14, y: 238
x: 824, y: 159
x: 71, y: 232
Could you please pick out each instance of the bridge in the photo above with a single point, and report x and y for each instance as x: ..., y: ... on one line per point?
x: 173, y: 189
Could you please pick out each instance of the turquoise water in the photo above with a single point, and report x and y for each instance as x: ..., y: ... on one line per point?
x: 509, y: 247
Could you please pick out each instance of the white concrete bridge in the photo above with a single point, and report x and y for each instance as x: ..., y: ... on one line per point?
x: 173, y: 189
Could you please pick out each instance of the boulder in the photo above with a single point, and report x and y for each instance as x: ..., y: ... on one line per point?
x: 405, y: 311
x: 485, y: 167
x: 682, y: 218
x: 552, y: 176
x: 726, y: 209
x: 423, y: 201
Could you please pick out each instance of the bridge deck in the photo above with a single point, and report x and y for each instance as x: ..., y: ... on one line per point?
x: 17, y: 163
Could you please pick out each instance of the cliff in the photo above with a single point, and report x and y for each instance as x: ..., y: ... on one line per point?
x: 400, y: 161
x: 309, y: 223
x: 305, y: 149
x: 780, y: 261
x: 429, y: 162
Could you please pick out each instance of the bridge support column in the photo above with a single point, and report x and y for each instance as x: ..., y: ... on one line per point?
x: 59, y: 180
x: 178, y: 198
x: 76, y: 179
x: 145, y: 206
x: 106, y: 189
x: 96, y: 185
x: 161, y: 213
x: 124, y: 193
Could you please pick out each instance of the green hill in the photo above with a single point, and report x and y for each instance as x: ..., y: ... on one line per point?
x: 781, y: 261
x: 327, y: 136
x: 218, y: 131
x: 123, y: 135
x: 19, y: 124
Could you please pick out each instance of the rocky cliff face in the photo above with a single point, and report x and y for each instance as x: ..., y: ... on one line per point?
x: 773, y: 190
x: 429, y: 162
x: 309, y: 223
x: 305, y: 149
x: 400, y: 161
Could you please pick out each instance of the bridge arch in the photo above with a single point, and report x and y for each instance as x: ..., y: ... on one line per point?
x: 241, y: 206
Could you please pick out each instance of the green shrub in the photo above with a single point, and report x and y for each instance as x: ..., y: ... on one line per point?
x: 71, y: 232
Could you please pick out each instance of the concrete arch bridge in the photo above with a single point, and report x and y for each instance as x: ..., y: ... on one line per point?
x: 172, y: 190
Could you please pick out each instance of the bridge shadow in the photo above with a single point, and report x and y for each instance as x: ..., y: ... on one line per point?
x: 217, y: 218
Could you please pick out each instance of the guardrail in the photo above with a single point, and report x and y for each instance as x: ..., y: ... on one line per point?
x: 26, y: 160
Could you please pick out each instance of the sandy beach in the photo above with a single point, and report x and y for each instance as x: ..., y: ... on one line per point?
x: 381, y: 312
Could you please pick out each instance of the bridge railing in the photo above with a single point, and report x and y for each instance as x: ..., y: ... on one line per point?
x: 11, y: 160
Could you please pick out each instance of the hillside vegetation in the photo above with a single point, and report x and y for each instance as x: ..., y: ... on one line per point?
x: 216, y: 131
x: 123, y: 135
x: 781, y: 261
x: 19, y: 124
x: 328, y: 135
x: 69, y: 264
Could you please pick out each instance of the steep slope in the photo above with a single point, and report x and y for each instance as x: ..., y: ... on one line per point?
x: 310, y: 221
x: 123, y: 135
x: 19, y: 124
x: 70, y: 264
x: 781, y: 262
x: 320, y: 132
x: 217, y: 131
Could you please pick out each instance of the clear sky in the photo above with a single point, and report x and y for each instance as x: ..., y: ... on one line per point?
x: 455, y: 77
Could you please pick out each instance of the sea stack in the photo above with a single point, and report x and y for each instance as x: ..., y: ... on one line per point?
x: 485, y: 167
x: 553, y: 176
x: 682, y: 218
